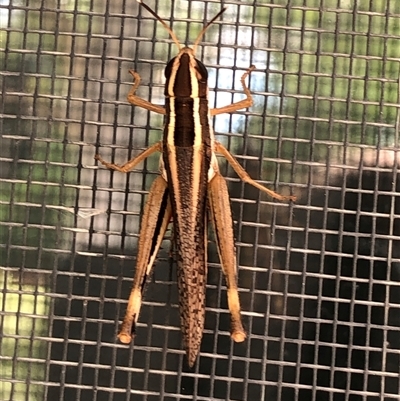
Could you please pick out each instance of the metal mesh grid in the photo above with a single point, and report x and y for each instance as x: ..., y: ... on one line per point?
x: 319, y: 280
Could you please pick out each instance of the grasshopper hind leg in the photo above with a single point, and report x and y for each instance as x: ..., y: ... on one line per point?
x: 220, y: 210
x: 156, y: 217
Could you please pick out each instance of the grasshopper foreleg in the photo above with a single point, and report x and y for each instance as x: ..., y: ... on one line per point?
x: 242, y: 104
x: 138, y: 101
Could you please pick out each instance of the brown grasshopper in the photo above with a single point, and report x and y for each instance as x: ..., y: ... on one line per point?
x: 190, y: 190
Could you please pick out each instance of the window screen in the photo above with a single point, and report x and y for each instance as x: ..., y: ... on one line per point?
x: 319, y: 279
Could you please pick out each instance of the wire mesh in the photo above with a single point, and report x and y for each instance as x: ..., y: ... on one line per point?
x: 319, y: 280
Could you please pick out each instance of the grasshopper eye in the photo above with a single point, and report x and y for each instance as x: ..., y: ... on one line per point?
x: 202, y: 73
x: 168, y: 68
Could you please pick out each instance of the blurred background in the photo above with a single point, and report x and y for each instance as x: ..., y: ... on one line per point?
x: 319, y: 279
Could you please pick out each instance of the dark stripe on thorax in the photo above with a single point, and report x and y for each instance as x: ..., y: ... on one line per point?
x: 184, y: 122
x: 184, y: 158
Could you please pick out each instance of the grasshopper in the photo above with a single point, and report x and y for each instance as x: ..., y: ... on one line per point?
x: 190, y: 190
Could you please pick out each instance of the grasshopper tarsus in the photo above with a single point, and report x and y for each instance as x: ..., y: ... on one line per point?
x: 124, y: 338
x: 127, y: 329
x: 248, y: 72
x: 290, y: 198
x: 238, y: 336
x: 111, y: 166
x: 136, y: 82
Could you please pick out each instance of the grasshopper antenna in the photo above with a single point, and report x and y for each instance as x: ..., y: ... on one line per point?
x: 168, y: 28
x: 201, y: 34
x: 171, y: 32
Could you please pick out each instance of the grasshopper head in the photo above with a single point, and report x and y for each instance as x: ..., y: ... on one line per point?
x: 186, y: 76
